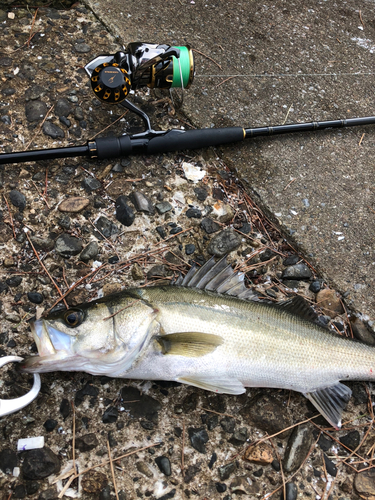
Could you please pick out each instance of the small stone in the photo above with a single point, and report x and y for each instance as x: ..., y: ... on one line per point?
x: 145, y: 469
x: 49, y: 494
x: 239, y: 436
x: 315, y: 286
x: 65, y: 222
x: 19, y: 491
x: 144, y: 406
x: 221, y: 487
x: 17, y: 199
x: 161, y: 232
x: 240, y: 485
x: 82, y: 48
x: 65, y: 408
x: 142, y: 203
x: 297, y: 272
x: 74, y: 204
x: 105, y: 227
x: 164, y: 465
x: 111, y: 288
x: 224, y: 242
x: 40, y: 463
x: 87, y: 442
x: 268, y: 414
x: 63, y: 107
x: 90, y: 184
x: 35, y: 297
x: 94, y: 482
x: 45, y: 244
x: 297, y: 448
x: 330, y: 466
x: 35, y: 110
x: 364, y: 483
x: 163, y: 207
x: 14, y: 281
x: 50, y: 424
x: 198, y: 438
x: 175, y: 230
x: 290, y: 492
x: 361, y: 332
x: 291, y: 260
x: 6, y: 119
x: 124, y: 213
x: 53, y: 130
x: 222, y: 211
x: 228, y: 424
x: 34, y: 92
x: 193, y: 213
x: 137, y: 272
x: 8, y: 460
x: 90, y: 252
x: 68, y: 246
x: 329, y: 302
x: 200, y: 193
x: 157, y: 271
x: 226, y: 470
x: 351, y: 440
x: 110, y: 415
x: 261, y: 454
x: 210, y: 226
x: 189, y: 248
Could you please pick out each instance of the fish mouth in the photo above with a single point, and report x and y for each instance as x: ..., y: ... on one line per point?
x: 54, y: 349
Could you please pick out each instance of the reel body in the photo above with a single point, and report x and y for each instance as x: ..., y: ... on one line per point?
x: 139, y: 65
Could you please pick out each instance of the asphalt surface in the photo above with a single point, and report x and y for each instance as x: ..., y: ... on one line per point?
x: 274, y: 62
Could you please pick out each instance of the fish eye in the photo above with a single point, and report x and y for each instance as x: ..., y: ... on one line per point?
x: 73, y: 318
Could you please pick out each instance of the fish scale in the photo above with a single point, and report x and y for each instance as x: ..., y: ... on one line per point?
x: 215, y: 341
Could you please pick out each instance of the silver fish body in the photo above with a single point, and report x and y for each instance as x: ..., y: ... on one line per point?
x: 206, y: 339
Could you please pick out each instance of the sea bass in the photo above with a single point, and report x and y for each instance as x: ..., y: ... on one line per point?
x: 205, y: 331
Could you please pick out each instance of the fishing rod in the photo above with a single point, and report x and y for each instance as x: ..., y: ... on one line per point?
x: 112, y: 78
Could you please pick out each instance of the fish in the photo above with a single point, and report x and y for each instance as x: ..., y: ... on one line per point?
x: 207, y: 330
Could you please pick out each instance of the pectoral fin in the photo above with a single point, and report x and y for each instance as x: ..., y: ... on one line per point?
x: 331, y: 402
x: 220, y: 385
x: 189, y: 344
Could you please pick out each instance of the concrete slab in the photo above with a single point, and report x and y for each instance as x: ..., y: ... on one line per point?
x: 276, y: 61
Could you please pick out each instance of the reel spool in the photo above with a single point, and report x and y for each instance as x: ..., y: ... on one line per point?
x: 141, y: 64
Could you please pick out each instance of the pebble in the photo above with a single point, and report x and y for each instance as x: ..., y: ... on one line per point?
x: 8, y: 460
x: 53, y: 130
x: 241, y: 486
x: 49, y: 494
x: 87, y: 390
x: 224, y: 242
x: 144, y: 406
x: 200, y: 193
x: 142, y: 203
x: 261, y: 454
x: 65, y: 222
x: 351, y: 440
x: 87, y: 442
x: 291, y: 260
x: 364, y: 483
x: 222, y: 211
x: 297, y: 272
x: 90, y: 252
x: 106, y: 228
x: 189, y: 248
x: 329, y: 302
x: 239, y: 436
x: 32, y: 487
x: 40, y: 463
x: 17, y: 199
x: 110, y: 415
x: 164, y: 465
x: 193, y: 213
x: 226, y: 470
x: 65, y: 408
x: 35, y: 110
x: 161, y: 232
x: 124, y: 213
x: 14, y: 281
x: 330, y: 466
x: 144, y: 468
x: 361, y: 332
x: 210, y: 226
x: 228, y: 424
x: 6, y: 119
x: 290, y: 492
x: 34, y: 92
x: 315, y: 286
x: 94, y: 482
x: 298, y: 446
x: 19, y: 491
x: 74, y: 204
x: 35, y: 297
x: 163, y: 207
x: 68, y: 246
x: 63, y: 108
x: 198, y: 438
x: 91, y: 184
x: 268, y: 414
x: 82, y: 48
x: 50, y: 425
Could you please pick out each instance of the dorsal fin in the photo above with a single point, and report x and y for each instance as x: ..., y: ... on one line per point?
x: 298, y: 306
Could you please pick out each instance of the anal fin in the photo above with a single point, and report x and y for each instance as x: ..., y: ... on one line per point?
x: 189, y: 344
x: 331, y: 401
x: 220, y: 385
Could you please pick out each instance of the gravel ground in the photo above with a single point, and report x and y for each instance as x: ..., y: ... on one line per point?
x: 99, y: 227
